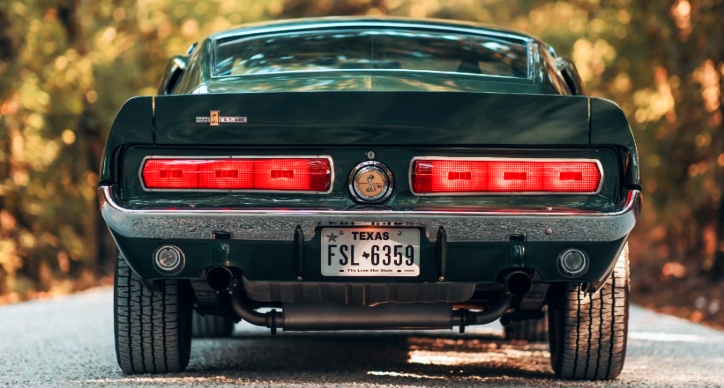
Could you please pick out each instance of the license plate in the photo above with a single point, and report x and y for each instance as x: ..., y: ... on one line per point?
x: 370, y: 252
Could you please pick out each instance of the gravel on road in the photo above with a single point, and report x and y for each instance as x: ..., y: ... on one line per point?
x: 68, y: 342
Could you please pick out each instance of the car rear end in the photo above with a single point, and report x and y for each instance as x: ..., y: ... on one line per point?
x: 502, y: 178
x: 371, y: 209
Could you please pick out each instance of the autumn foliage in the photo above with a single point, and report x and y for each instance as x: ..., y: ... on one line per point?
x: 66, y: 66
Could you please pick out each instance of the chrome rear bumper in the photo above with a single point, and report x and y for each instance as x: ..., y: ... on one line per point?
x: 460, y: 226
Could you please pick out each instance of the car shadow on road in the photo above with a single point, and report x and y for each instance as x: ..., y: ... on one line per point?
x: 388, y: 358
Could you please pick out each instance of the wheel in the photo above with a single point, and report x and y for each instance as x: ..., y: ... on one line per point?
x: 534, y: 330
x: 587, y: 332
x: 211, y: 326
x: 152, y: 328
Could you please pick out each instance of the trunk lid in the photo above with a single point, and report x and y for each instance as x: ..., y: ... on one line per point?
x: 374, y: 118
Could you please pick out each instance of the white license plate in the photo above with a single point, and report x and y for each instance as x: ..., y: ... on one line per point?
x: 370, y: 252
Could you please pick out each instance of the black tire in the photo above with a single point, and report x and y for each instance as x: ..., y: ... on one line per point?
x: 588, y: 331
x: 152, y: 328
x: 211, y: 326
x: 533, y: 330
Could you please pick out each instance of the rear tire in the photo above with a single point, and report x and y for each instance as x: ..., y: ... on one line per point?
x: 588, y: 332
x: 533, y: 330
x: 211, y: 326
x: 152, y: 328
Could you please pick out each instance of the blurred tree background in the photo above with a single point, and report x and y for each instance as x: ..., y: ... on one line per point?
x: 66, y: 66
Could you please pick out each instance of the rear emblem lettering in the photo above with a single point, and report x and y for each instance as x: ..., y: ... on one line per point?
x: 215, y: 118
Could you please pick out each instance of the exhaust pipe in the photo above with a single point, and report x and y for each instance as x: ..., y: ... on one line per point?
x: 219, y: 278
x: 518, y: 283
x: 389, y: 316
x: 392, y: 316
x: 273, y: 319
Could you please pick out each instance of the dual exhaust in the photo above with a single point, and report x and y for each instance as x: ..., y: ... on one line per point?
x: 517, y: 283
x: 170, y: 260
x: 392, y: 316
x: 388, y: 316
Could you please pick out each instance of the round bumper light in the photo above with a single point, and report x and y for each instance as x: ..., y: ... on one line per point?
x: 573, y: 262
x: 169, y: 259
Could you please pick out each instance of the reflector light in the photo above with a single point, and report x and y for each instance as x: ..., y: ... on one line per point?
x: 462, y: 176
x: 265, y: 174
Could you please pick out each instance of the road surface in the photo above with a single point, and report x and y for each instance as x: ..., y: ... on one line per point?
x: 69, y: 342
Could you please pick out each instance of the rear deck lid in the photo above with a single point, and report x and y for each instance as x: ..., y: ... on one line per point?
x: 371, y: 118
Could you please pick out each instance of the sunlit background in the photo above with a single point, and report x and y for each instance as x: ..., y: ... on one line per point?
x: 66, y: 66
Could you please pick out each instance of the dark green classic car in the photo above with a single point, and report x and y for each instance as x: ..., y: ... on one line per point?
x: 371, y: 174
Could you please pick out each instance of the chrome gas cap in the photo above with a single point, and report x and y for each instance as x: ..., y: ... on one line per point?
x: 371, y: 182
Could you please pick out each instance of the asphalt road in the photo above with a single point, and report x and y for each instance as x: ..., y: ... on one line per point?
x: 69, y: 342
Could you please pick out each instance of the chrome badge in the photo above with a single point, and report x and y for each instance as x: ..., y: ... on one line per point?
x: 371, y: 181
x: 215, y: 118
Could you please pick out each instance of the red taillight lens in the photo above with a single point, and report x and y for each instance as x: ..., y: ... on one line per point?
x: 170, y: 174
x: 505, y: 176
x: 272, y: 174
x: 291, y: 174
x: 231, y: 174
x: 448, y: 176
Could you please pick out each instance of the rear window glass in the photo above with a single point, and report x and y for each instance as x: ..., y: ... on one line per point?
x: 387, y: 50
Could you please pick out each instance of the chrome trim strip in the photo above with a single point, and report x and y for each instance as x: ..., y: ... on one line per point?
x: 496, y: 193
x: 460, y: 226
x: 329, y: 158
x: 533, y: 61
x: 400, y: 72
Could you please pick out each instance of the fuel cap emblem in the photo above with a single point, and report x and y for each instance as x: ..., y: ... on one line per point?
x: 371, y: 181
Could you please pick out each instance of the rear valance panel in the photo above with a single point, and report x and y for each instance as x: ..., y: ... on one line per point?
x: 374, y: 118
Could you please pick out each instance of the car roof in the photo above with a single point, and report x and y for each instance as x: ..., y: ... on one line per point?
x: 378, y: 22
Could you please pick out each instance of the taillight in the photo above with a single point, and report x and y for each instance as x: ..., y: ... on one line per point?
x: 470, y: 176
x: 292, y: 174
x: 264, y: 174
